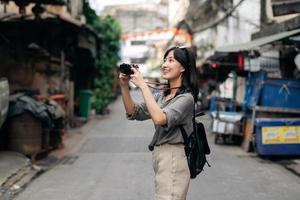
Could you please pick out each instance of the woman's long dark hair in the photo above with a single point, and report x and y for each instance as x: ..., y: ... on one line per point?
x: 187, y: 59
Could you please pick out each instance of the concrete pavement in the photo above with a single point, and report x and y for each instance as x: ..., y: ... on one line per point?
x: 11, y: 163
x: 114, y: 163
x: 108, y: 159
x: 17, y: 171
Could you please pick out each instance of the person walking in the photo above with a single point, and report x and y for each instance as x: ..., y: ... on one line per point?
x: 169, y: 109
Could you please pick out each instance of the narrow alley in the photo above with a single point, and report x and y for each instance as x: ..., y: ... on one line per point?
x: 114, y: 163
x: 66, y: 65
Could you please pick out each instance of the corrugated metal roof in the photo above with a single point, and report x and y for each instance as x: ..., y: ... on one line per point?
x: 13, y: 17
x: 254, y: 44
x: 51, y: 2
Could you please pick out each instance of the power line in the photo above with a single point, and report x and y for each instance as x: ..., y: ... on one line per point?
x: 216, y: 23
x: 247, y: 21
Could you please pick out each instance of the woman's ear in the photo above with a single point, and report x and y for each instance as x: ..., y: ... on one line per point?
x: 182, y: 69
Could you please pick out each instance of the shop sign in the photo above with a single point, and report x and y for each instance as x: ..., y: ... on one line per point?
x: 281, y: 135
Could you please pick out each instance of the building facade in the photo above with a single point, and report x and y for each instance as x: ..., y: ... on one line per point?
x: 219, y: 23
x: 46, y: 48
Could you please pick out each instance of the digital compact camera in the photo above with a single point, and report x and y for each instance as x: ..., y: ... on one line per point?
x: 126, y: 69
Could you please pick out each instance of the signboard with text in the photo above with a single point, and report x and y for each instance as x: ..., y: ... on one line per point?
x: 281, y: 135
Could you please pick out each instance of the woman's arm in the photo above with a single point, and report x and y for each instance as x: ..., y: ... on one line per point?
x: 126, y: 97
x: 127, y: 100
x: 157, y: 115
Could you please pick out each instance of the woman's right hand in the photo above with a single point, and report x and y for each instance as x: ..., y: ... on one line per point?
x: 124, y: 79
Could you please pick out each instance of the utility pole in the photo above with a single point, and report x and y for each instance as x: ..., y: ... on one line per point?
x: 263, y: 13
x: 134, y: 20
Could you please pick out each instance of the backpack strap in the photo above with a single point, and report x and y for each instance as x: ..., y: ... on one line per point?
x: 183, y: 132
x: 186, y: 141
x: 184, y: 135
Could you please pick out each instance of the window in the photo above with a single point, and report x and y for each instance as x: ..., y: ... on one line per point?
x: 138, y: 60
x: 138, y: 42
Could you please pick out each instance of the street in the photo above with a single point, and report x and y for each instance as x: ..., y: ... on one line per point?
x: 114, y: 163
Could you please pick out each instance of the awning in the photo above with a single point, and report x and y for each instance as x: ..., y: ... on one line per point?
x: 257, y: 42
x: 87, y: 38
x: 52, y: 2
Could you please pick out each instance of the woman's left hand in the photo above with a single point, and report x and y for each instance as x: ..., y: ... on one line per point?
x: 136, y: 78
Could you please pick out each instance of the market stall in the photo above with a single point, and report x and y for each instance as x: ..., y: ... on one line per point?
x: 269, y: 114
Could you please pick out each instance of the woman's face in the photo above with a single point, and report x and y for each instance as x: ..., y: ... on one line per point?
x: 171, y: 68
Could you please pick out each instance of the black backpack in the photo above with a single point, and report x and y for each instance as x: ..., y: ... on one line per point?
x: 196, y: 147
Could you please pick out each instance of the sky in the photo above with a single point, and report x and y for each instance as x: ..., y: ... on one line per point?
x: 99, y: 4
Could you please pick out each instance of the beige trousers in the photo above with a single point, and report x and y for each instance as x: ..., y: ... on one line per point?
x: 172, y: 175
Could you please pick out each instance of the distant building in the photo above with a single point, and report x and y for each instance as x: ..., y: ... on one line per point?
x: 176, y: 11
x: 148, y: 29
x: 139, y: 22
x: 139, y: 17
x: 218, y: 23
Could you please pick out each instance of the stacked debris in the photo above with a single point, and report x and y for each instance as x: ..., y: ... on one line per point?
x: 33, y: 126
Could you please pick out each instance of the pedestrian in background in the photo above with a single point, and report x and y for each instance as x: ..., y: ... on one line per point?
x: 169, y: 109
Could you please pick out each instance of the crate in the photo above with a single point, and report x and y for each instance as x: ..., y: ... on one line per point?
x: 283, y: 93
x: 227, y: 122
x: 277, y: 137
x: 25, y: 134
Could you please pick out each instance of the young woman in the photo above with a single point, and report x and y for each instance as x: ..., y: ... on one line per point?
x: 173, y: 107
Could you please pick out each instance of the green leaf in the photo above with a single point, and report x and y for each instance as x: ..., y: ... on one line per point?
x: 105, y: 65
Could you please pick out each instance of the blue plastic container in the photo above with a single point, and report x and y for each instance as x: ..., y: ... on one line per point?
x: 213, y: 104
x: 280, y: 93
x: 277, y: 136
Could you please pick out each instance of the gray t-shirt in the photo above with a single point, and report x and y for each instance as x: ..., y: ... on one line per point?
x: 179, y: 111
